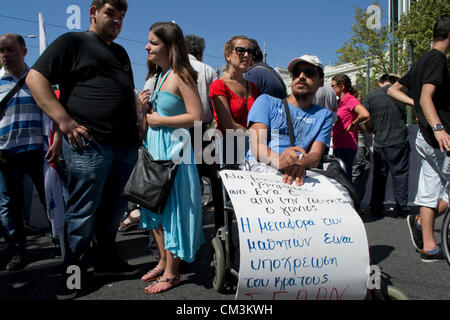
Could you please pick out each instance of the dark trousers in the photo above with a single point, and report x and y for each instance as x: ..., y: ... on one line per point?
x: 361, y: 171
x: 394, y: 159
x: 210, y: 171
x: 12, y: 194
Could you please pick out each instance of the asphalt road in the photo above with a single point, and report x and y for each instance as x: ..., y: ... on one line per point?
x: 390, y: 249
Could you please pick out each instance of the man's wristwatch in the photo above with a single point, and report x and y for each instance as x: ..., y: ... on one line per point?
x: 438, y: 127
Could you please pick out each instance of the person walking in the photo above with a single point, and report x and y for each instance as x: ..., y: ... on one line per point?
x: 429, y: 83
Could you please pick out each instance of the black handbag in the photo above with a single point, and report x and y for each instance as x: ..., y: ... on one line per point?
x: 150, y: 182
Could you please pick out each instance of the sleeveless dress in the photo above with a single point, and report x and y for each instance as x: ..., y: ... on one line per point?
x: 182, y: 216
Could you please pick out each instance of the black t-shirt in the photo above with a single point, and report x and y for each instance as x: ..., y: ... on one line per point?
x: 431, y: 68
x: 96, y: 85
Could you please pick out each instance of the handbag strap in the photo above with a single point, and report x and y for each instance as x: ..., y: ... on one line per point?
x: 288, y: 121
x: 11, y: 93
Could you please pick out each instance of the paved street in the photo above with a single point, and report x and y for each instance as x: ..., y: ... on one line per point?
x: 390, y: 248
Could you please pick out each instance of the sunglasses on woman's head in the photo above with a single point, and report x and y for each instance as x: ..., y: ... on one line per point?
x: 309, y: 72
x: 241, y: 50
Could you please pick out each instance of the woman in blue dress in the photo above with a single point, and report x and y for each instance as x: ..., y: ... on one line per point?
x: 175, y: 105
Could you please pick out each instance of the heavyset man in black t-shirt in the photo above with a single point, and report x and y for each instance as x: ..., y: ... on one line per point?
x: 429, y: 82
x: 97, y: 115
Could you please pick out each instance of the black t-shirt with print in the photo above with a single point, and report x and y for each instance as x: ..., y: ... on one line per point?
x: 430, y: 68
x: 96, y: 85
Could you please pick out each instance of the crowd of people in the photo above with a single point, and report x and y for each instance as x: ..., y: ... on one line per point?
x: 101, y: 120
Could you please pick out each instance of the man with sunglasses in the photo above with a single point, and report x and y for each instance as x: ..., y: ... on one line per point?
x: 267, y: 122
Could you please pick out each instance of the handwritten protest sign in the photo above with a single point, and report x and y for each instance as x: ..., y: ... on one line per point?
x: 304, y: 243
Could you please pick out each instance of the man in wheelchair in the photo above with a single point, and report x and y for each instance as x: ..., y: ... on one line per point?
x: 272, y: 146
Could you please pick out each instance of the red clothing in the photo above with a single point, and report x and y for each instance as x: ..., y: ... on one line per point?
x: 239, y: 110
x: 345, y: 115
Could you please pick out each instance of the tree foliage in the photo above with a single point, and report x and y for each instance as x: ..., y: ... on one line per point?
x: 416, y: 29
x: 367, y: 43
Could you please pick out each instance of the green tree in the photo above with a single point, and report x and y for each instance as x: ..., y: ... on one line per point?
x: 366, y: 43
x: 416, y: 29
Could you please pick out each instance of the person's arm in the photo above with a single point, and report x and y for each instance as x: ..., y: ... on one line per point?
x: 396, y: 92
x: 54, y: 150
x: 194, y: 110
x: 429, y: 110
x: 46, y: 100
x: 361, y: 115
x: 295, y: 160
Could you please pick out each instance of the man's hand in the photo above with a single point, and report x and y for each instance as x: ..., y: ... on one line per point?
x: 74, y: 132
x: 294, y: 169
x: 443, y: 138
x: 291, y: 156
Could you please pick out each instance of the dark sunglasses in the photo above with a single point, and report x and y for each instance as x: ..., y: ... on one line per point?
x: 309, y: 72
x: 241, y: 51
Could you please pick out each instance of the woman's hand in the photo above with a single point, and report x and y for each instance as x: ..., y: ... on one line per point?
x: 53, y: 152
x: 144, y: 99
x: 351, y: 127
x: 153, y: 119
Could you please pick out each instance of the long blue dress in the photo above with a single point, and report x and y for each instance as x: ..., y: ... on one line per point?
x: 182, y: 216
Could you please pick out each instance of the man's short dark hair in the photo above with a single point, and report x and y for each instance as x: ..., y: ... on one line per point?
x: 441, y: 28
x: 17, y: 37
x: 391, y: 78
x: 118, y: 4
x: 257, y: 53
x: 195, y: 45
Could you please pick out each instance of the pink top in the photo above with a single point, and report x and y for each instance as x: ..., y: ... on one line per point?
x: 239, y: 109
x: 345, y: 115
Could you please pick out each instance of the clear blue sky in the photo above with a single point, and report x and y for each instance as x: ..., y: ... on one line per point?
x: 289, y: 28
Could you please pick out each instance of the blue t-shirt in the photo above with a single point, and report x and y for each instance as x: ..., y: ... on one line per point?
x: 312, y: 124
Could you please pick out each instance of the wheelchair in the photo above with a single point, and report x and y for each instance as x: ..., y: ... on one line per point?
x: 225, y: 254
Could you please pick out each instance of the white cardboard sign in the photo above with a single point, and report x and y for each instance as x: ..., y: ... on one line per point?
x: 297, y: 243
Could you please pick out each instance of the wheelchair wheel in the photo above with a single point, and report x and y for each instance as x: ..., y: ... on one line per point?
x: 218, y: 264
x: 445, y: 235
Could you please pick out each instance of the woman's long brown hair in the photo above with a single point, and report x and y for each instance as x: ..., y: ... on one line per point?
x: 172, y: 36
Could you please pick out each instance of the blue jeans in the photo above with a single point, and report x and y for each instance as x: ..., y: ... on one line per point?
x: 96, y: 175
x: 12, y: 194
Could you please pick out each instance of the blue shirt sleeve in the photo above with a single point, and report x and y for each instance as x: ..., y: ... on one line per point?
x: 260, y: 111
x: 325, y: 131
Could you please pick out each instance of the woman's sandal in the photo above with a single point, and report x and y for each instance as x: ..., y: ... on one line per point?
x: 153, y: 274
x: 173, y: 282
x: 129, y: 223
